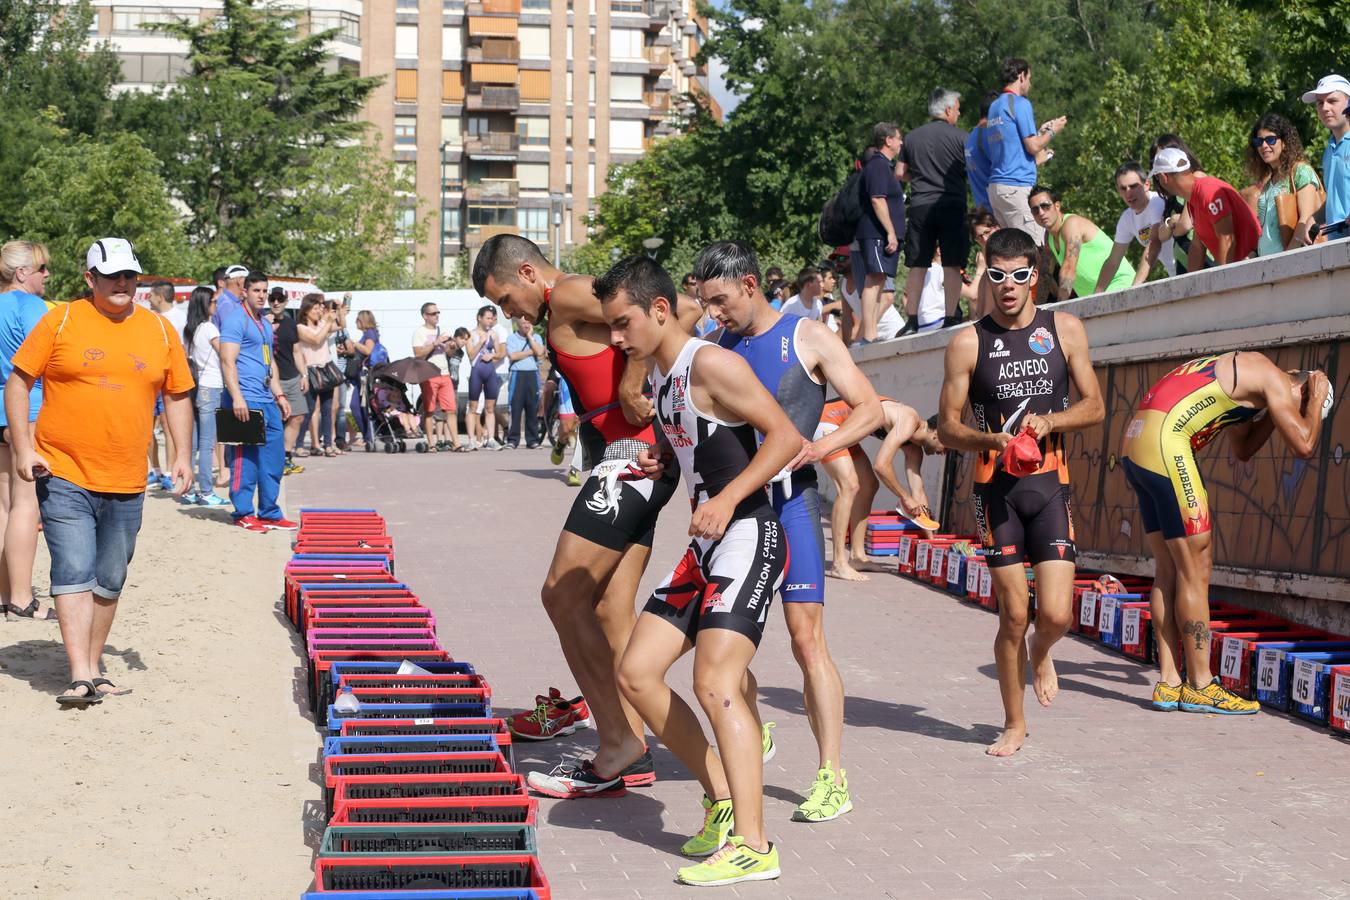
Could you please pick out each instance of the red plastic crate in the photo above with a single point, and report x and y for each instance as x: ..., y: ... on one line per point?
x: 348, y: 766
x: 1340, y: 699
x: 406, y: 787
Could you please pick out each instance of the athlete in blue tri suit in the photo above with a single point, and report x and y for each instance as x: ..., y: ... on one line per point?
x: 795, y: 358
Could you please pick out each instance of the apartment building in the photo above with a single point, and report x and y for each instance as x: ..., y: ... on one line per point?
x: 509, y: 113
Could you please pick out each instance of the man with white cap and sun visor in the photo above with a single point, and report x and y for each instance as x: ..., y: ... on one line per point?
x: 102, y: 362
x: 1329, y: 99
x: 229, y: 302
x: 1224, y: 224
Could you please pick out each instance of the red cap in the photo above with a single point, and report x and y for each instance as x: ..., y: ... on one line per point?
x: 841, y: 251
x: 1022, y: 455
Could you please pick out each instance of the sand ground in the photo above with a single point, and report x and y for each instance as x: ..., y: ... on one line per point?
x: 196, y: 784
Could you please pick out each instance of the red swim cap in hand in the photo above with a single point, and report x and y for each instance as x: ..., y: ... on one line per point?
x: 1022, y: 455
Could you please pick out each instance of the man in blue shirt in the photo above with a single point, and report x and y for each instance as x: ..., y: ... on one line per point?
x: 1329, y: 98
x: 228, y: 302
x: 977, y: 160
x: 252, y: 383
x: 882, y: 223
x: 524, y: 350
x: 1014, y: 144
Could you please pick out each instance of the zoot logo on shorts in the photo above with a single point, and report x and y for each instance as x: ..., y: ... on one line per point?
x: 1041, y: 341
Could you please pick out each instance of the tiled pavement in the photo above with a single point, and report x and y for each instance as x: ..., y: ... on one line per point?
x: 1108, y: 799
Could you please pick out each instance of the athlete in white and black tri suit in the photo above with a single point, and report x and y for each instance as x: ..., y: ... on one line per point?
x: 708, y: 407
x: 1015, y: 368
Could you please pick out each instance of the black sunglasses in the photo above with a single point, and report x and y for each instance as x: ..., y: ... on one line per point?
x: 1019, y: 276
x: 119, y: 276
x: 1043, y: 207
x: 1269, y: 140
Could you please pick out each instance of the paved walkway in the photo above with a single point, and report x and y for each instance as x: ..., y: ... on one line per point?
x: 1108, y: 799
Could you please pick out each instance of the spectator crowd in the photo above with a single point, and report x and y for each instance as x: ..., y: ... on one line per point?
x: 929, y: 196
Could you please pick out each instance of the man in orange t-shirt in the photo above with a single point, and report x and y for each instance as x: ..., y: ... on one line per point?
x: 102, y: 363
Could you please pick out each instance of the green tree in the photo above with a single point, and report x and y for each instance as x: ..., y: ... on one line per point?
x: 345, y: 225
x: 85, y: 189
x: 239, y: 133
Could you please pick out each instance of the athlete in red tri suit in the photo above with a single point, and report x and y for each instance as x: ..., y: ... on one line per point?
x: 606, y: 541
x: 709, y: 404
x: 1015, y: 367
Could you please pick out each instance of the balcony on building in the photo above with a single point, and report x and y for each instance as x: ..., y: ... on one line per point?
x: 494, y: 50
x: 658, y: 58
x: 492, y: 192
x: 658, y: 14
x: 489, y: 99
x: 493, y: 7
x: 492, y: 28
x: 658, y: 104
x: 500, y: 146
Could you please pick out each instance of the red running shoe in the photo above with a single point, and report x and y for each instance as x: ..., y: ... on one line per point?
x: 551, y: 717
x: 279, y: 524
x: 250, y: 523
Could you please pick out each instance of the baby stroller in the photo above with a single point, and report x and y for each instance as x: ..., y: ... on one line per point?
x: 385, y: 398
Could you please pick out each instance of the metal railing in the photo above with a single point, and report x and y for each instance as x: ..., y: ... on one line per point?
x: 491, y: 98
x: 492, y: 142
x: 492, y: 190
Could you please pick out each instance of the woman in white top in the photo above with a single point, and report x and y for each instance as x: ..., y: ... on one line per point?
x: 202, y: 338
x: 316, y: 322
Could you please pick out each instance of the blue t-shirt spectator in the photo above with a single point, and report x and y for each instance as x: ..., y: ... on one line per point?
x: 879, y: 181
x: 516, y: 343
x: 254, y: 338
x: 226, y: 305
x: 977, y: 167
x: 19, y: 313
x: 1336, y: 179
x: 1010, y: 120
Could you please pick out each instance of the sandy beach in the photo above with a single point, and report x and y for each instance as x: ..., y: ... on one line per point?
x: 197, y: 784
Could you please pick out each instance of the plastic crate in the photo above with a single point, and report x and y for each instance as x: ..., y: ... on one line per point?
x: 335, y: 745
x: 1310, y: 683
x: 466, y: 710
x: 393, y: 680
x: 431, y: 872
x: 340, y: 769
x: 509, y: 810
x: 1233, y: 657
x: 328, y: 689
x: 905, y: 554
x: 1340, y: 699
x: 1108, y: 617
x: 357, y: 643
x: 404, y: 787
x: 357, y: 616
x: 320, y: 663
x: 308, y: 603
x: 465, y: 894
x: 428, y: 840
x: 1274, y: 668
x: 391, y: 728
x: 955, y: 578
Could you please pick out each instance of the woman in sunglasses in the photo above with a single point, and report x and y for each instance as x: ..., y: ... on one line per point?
x: 1290, y: 191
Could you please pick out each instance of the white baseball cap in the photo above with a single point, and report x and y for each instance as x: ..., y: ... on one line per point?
x: 236, y: 271
x: 1329, y: 84
x: 112, y: 255
x: 1169, y: 161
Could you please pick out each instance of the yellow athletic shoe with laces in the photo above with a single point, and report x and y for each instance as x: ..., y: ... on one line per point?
x: 767, y: 745
x: 732, y: 864
x: 1166, y: 696
x: 828, y: 800
x: 1215, y: 698
x: 718, y: 821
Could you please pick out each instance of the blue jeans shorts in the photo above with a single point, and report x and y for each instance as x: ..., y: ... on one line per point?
x: 91, y: 536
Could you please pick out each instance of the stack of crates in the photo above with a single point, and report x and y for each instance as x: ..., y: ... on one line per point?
x: 419, y: 785
x: 885, y: 529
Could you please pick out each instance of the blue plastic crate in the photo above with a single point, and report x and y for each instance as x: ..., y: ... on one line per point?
x: 1270, y: 671
x: 955, y: 564
x: 1310, y: 683
x: 1109, y: 617
x: 411, y: 711
x: 410, y: 743
x: 356, y: 667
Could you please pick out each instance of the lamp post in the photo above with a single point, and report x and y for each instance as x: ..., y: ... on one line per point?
x: 556, y: 205
x: 440, y: 219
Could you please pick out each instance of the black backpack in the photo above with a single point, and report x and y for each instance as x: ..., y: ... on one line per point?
x: 840, y: 216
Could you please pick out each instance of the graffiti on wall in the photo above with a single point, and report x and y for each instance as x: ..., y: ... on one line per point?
x: 1274, y: 512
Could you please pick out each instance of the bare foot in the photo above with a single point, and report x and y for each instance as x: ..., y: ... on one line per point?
x: 845, y: 572
x: 617, y: 759
x: 1008, y: 743
x: 1044, y: 681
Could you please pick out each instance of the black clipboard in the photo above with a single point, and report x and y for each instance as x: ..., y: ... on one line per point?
x: 230, y: 430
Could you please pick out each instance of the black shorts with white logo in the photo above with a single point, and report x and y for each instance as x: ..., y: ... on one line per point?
x: 726, y: 583
x: 628, y: 516
x: 1024, y: 518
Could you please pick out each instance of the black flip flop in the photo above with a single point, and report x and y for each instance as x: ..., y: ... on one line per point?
x: 90, y: 699
x: 30, y: 611
x: 97, y: 682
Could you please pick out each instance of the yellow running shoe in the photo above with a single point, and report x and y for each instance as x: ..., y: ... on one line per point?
x: 828, y: 800
x: 766, y: 740
x: 1215, y: 698
x: 731, y: 864
x: 1166, y: 696
x: 574, y: 478
x: 718, y: 821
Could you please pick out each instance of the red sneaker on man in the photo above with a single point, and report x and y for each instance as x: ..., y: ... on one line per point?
x: 250, y: 523
x: 551, y: 717
x: 279, y: 524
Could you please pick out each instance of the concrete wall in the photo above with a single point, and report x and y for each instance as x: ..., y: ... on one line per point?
x: 1292, y: 306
